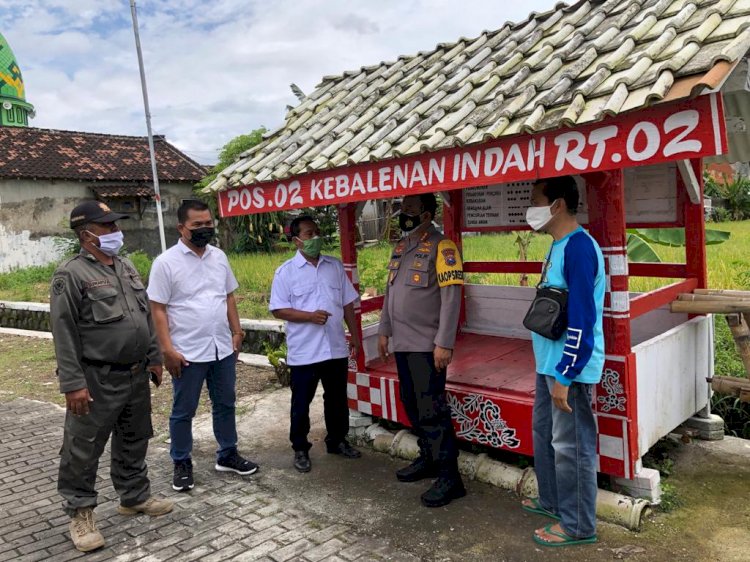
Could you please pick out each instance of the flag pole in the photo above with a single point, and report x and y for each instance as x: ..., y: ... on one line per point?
x: 157, y: 192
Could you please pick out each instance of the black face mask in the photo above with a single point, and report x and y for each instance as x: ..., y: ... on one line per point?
x: 407, y: 223
x: 202, y: 236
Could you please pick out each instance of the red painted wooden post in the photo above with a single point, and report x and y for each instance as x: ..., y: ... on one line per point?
x: 452, y: 216
x: 453, y: 210
x: 347, y: 231
x: 615, y: 399
x: 695, y: 230
x: 606, y: 201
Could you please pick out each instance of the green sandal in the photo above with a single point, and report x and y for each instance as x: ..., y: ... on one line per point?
x: 568, y: 540
x: 538, y: 509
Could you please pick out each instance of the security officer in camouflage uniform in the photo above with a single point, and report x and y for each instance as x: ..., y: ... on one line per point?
x: 420, y: 313
x: 106, y: 352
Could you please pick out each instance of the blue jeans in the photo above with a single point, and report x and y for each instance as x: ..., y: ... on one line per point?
x: 220, y: 377
x: 565, y: 456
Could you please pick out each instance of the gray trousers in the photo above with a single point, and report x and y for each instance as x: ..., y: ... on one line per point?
x: 122, y: 409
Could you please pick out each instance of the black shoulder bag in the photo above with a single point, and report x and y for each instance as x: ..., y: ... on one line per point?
x: 548, y: 313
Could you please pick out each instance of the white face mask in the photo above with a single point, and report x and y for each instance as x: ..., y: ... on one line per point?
x: 111, y: 243
x: 538, y: 217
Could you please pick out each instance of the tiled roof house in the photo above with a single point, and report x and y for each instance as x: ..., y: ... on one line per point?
x: 44, y: 173
x: 567, y: 67
x: 71, y: 155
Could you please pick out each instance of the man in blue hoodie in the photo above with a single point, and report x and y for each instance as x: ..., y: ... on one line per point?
x: 567, y: 369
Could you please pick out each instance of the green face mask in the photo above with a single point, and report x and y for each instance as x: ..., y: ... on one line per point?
x: 312, y: 246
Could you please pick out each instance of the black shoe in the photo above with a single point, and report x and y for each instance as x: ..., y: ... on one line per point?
x: 345, y: 450
x: 182, y: 481
x: 235, y: 463
x: 443, y: 491
x: 417, y: 470
x: 302, y: 461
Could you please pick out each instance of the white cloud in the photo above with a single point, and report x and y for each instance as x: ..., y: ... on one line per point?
x: 216, y: 69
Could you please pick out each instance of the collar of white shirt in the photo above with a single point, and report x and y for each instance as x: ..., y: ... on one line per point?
x: 187, y: 250
x: 299, y: 260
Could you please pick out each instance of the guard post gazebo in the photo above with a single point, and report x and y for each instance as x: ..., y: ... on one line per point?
x: 629, y: 97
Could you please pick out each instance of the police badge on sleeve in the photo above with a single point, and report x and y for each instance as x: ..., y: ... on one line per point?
x: 449, y: 266
x: 58, y: 285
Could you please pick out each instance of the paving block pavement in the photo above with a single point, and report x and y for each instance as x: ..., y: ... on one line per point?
x: 226, y: 518
x: 344, y: 510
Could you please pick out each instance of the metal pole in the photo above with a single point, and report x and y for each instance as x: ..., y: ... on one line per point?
x: 157, y: 193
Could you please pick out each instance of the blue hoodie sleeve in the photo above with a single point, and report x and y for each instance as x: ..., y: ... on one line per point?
x: 580, y: 270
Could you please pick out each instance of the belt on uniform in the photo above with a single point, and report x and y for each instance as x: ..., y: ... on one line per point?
x: 113, y: 366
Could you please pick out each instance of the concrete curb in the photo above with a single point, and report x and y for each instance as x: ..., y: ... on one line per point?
x: 253, y: 359
x: 611, y: 507
x: 26, y: 333
x: 35, y: 316
x: 26, y: 305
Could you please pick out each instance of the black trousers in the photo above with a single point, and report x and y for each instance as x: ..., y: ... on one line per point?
x: 304, y: 383
x: 423, y: 395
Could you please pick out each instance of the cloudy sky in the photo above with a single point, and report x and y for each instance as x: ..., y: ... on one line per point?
x: 216, y: 68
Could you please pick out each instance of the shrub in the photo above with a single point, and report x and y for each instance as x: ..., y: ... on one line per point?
x: 736, y: 414
x: 736, y: 192
x: 277, y: 358
x: 372, y: 267
x: 142, y: 263
x: 25, y: 284
x: 720, y: 214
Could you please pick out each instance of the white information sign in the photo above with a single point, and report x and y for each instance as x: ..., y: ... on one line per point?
x: 650, y: 197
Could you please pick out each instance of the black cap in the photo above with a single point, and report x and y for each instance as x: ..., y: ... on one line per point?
x: 93, y: 211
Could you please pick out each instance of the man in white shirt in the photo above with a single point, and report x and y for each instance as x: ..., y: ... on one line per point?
x: 191, y: 290
x: 313, y: 294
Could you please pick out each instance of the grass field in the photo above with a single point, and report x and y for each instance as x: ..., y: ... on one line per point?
x: 728, y: 268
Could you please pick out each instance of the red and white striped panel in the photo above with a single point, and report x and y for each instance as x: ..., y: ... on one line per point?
x: 612, y: 446
x: 375, y: 396
x: 352, y: 272
x: 378, y: 396
x: 611, y: 410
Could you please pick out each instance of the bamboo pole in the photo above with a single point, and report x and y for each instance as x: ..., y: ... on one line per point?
x: 695, y: 298
x: 724, y: 292
x: 710, y: 307
x: 741, y: 335
x: 733, y: 386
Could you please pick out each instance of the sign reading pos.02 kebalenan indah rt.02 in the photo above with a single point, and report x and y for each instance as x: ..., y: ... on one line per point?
x: 672, y: 131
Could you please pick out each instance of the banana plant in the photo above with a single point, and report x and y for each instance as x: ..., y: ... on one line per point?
x: 641, y: 239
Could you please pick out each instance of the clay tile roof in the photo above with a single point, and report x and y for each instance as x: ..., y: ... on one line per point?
x: 52, y: 154
x: 566, y: 67
x: 113, y: 191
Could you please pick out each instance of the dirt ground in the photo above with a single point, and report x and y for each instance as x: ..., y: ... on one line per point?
x: 710, y: 484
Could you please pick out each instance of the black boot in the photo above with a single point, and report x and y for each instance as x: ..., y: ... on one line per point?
x: 302, y: 461
x: 444, y: 490
x: 417, y: 470
x: 345, y: 450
